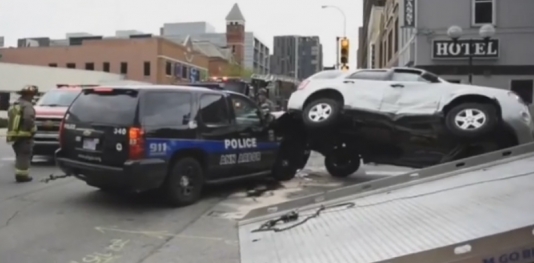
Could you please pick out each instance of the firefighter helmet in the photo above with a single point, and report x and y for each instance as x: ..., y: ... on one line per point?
x: 29, y: 89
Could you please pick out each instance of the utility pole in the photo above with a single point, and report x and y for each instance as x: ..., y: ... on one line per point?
x: 337, y: 53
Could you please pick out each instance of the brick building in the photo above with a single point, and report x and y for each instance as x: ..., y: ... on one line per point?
x: 142, y: 58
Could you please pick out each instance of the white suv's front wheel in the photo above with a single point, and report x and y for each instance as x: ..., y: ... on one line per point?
x: 321, y: 113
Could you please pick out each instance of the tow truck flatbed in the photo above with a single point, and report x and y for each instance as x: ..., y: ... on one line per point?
x: 478, y: 209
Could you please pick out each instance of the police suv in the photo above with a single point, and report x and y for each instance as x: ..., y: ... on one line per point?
x: 172, y: 138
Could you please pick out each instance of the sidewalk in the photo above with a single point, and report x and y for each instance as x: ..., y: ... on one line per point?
x: 3, y: 132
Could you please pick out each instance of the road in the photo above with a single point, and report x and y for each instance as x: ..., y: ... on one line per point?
x: 67, y: 221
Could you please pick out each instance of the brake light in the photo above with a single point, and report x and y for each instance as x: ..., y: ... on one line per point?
x: 61, y: 131
x: 303, y: 84
x: 102, y: 90
x: 137, y: 143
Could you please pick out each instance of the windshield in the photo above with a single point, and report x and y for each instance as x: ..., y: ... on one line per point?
x: 58, y: 98
x: 117, y: 107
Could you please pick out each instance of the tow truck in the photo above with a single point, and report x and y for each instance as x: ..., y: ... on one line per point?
x: 279, y: 88
x: 477, y: 209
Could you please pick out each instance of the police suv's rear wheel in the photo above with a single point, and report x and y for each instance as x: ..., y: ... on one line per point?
x: 321, y: 113
x: 471, y: 120
x: 184, y: 182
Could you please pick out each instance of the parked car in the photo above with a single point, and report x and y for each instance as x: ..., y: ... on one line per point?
x: 404, y: 116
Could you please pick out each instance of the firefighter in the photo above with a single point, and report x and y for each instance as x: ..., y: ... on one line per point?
x: 21, y: 128
x: 266, y: 105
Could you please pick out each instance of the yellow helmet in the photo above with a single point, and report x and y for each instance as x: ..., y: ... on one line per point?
x: 29, y: 89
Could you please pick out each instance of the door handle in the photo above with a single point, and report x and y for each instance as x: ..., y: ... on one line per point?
x: 348, y: 82
x: 397, y: 85
x: 244, y: 133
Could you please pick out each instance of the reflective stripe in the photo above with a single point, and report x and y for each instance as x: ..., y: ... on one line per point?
x: 15, y: 115
x: 22, y: 172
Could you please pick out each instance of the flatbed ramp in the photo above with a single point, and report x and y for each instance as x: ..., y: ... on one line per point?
x: 476, y: 210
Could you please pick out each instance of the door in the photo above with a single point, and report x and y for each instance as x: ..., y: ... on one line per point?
x: 217, y: 130
x: 97, y: 126
x: 256, y: 142
x: 364, y: 90
x: 408, y: 93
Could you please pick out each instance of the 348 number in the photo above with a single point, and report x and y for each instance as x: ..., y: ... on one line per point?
x: 119, y: 131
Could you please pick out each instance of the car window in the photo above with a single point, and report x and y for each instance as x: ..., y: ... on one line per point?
x: 58, y: 98
x: 369, y: 75
x: 166, y: 108
x: 407, y: 76
x: 246, y: 111
x: 329, y: 74
x: 214, y: 110
x: 116, y: 107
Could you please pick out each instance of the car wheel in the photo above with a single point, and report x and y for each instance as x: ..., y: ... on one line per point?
x: 339, y: 165
x: 184, y: 182
x: 471, y: 119
x: 291, y: 158
x: 321, y: 113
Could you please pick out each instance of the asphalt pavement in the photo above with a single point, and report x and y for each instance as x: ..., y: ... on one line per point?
x: 68, y: 221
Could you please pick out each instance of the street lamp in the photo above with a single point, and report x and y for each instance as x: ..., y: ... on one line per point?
x: 344, y: 29
x: 486, y: 32
x: 342, y: 13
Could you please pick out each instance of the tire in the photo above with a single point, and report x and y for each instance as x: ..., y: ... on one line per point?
x: 331, y: 112
x: 484, y: 119
x: 184, y: 171
x: 292, y: 157
x: 349, y: 165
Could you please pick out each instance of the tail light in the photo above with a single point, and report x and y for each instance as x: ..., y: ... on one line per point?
x: 61, y: 132
x: 137, y: 143
x: 303, y: 84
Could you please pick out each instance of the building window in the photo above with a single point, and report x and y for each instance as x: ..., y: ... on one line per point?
x: 90, y: 66
x: 124, y: 68
x: 523, y: 88
x: 52, y: 65
x: 71, y: 65
x: 105, y: 66
x: 146, y: 68
x: 168, y: 68
x: 372, y: 56
x: 396, y: 38
x: 391, y: 45
x: 483, y: 12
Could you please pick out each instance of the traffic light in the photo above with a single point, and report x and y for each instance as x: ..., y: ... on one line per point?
x: 344, y: 52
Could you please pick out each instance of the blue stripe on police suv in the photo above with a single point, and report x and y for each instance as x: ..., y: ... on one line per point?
x: 167, y: 147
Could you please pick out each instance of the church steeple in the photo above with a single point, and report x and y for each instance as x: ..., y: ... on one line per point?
x: 235, y: 16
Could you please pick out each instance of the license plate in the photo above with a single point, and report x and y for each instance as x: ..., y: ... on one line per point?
x: 90, y: 144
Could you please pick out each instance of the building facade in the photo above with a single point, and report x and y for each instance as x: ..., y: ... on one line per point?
x: 297, y: 56
x: 247, y: 48
x: 362, y: 55
x: 503, y: 62
x: 148, y: 59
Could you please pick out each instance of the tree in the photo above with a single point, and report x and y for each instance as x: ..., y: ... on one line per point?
x: 235, y: 70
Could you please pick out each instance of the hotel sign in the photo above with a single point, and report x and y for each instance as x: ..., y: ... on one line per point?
x: 449, y: 49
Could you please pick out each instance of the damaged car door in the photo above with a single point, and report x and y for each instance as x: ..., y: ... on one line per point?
x: 410, y: 93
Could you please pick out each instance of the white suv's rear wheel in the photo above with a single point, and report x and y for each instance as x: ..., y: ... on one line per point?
x: 321, y: 113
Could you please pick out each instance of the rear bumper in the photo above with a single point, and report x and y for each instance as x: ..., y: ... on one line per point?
x: 133, y: 176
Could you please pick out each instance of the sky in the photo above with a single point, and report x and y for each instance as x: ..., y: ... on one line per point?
x: 55, y: 18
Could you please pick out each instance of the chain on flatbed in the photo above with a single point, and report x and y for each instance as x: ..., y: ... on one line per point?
x: 53, y: 177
